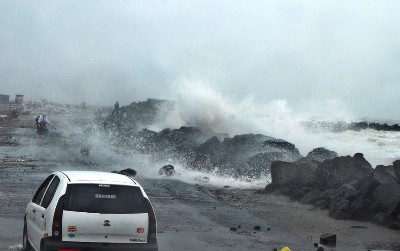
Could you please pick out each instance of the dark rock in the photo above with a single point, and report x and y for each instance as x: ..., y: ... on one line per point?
x: 271, y: 188
x: 177, y: 143
x: 307, y: 169
x: 128, y: 172
x: 299, y: 173
x: 381, y: 192
x: 344, y: 126
x: 247, y: 155
x: 139, y: 115
x: 167, y: 170
x: 282, y: 144
x: 396, y: 211
x: 359, y: 156
x: 322, y: 204
x: 339, y: 208
x: 233, y: 229
x: 327, y: 194
x: 322, y: 199
x: 386, y: 220
x: 241, y: 156
x: 283, y: 173
x: 381, y: 175
x: 297, y: 193
x: 259, y: 164
x: 328, y: 239
x: 322, y: 154
x: 388, y: 195
x: 394, y: 225
x: 359, y: 209
x: 145, y: 141
x: 347, y: 186
x: 257, y: 227
x: 311, y: 197
x: 336, y: 172
x: 184, y: 138
x: 347, y: 191
x: 211, y: 144
x: 396, y: 166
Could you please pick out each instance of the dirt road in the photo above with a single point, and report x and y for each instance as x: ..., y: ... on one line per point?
x: 190, y: 217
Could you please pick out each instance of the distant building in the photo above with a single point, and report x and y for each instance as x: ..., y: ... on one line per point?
x: 19, y: 99
x: 17, y: 106
x: 4, y: 104
x: 14, y: 107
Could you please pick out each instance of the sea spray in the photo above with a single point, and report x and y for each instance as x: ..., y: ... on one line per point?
x: 199, y: 104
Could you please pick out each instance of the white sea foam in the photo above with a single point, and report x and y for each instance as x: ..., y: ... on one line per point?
x: 201, y: 105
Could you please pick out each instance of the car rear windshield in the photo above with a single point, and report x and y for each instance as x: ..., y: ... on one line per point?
x: 106, y: 199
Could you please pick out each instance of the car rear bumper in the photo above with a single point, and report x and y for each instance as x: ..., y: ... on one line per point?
x: 54, y: 245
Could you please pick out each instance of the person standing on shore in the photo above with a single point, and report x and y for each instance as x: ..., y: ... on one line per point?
x: 116, y: 108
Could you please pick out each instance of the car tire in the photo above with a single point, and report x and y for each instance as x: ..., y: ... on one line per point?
x: 26, y: 245
x: 43, y: 247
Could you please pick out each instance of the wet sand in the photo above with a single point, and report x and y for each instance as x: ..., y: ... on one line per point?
x: 310, y: 222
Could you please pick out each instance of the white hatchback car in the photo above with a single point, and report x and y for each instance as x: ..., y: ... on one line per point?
x: 85, y: 210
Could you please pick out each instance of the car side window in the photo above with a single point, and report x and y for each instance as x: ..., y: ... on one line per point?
x: 48, y: 197
x: 37, y: 198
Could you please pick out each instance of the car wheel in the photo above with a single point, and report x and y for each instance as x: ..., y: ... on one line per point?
x: 43, y: 247
x: 26, y: 245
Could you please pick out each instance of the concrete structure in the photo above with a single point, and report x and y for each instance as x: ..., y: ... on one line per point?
x: 19, y: 99
x: 4, y: 104
x: 17, y: 106
x: 14, y: 107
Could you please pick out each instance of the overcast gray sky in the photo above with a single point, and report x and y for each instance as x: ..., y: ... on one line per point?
x: 307, y: 53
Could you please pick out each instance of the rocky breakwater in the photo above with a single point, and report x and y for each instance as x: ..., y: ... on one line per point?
x: 245, y: 156
x: 346, y: 186
x: 242, y: 156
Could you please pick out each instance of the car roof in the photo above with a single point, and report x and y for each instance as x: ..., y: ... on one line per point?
x: 98, y: 177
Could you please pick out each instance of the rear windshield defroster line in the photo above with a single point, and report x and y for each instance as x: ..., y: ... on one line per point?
x: 105, y: 199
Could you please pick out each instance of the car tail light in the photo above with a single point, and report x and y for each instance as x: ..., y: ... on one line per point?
x: 152, y: 234
x: 152, y: 227
x: 57, y: 219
